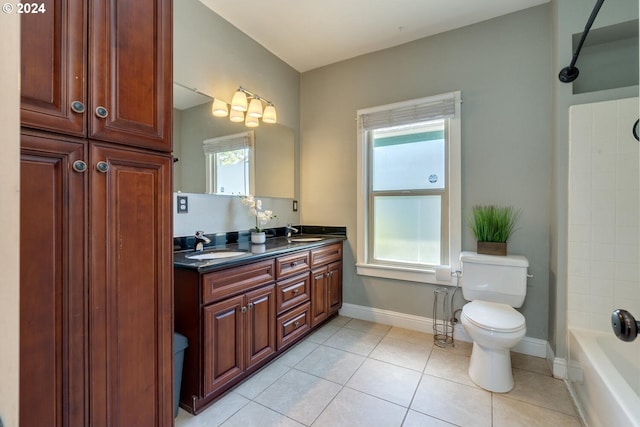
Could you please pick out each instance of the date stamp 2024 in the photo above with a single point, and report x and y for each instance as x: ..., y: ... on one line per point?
x: 21, y: 8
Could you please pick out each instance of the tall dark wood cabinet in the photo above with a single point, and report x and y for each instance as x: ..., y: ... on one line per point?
x: 53, y: 277
x: 100, y: 69
x: 96, y: 322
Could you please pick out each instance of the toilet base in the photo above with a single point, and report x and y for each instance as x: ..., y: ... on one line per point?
x: 490, y: 368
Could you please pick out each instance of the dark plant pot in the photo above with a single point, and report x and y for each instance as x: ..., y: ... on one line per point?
x: 492, y: 248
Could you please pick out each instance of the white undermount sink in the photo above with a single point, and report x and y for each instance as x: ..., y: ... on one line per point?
x: 217, y: 255
x: 306, y: 239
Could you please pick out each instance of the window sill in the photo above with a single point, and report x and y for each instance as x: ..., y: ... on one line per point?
x: 402, y: 273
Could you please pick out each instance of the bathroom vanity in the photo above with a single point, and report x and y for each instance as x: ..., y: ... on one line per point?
x: 240, y: 312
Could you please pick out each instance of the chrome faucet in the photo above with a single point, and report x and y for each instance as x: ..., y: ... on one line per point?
x: 289, y: 229
x: 201, y: 239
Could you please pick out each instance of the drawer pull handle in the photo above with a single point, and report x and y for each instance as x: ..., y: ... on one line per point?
x: 102, y: 167
x: 294, y: 264
x: 296, y: 324
x: 296, y: 291
x: 77, y: 107
x: 79, y: 166
x: 101, y: 112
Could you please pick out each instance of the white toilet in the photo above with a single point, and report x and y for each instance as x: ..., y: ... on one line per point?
x: 494, y: 285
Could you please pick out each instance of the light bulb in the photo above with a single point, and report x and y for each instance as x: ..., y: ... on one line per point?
x: 270, y: 115
x: 219, y: 108
x: 251, y: 122
x: 236, y: 116
x: 255, y: 108
x: 239, y: 101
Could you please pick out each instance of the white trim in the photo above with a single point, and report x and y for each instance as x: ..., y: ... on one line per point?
x: 558, y: 365
x: 402, y: 273
x: 409, y: 103
x: 529, y: 346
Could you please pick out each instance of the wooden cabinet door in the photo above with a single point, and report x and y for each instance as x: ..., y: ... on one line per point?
x: 130, y: 72
x: 52, y: 283
x: 53, y: 67
x: 334, y: 287
x: 130, y: 296
x: 223, y: 342
x: 260, y: 324
x: 319, y: 283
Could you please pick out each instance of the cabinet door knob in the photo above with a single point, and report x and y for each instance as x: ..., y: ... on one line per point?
x: 79, y: 166
x: 77, y: 107
x: 102, y: 167
x: 101, y: 112
x: 250, y: 305
x: 243, y: 309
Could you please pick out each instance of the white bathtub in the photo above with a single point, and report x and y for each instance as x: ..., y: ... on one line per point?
x: 604, y: 375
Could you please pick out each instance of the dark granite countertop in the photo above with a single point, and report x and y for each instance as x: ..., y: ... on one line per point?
x: 274, y: 246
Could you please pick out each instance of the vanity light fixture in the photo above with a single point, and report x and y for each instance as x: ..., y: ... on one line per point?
x: 254, y: 108
x: 239, y: 105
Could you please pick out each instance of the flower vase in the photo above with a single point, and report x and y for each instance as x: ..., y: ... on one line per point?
x: 258, y: 238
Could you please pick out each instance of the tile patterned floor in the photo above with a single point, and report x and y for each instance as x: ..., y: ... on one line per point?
x: 354, y: 373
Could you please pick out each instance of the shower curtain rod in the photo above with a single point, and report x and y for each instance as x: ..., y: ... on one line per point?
x: 570, y: 73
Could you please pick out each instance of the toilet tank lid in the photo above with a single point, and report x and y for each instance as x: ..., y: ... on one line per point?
x: 509, y: 260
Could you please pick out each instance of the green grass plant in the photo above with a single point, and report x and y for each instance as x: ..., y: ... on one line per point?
x: 492, y: 223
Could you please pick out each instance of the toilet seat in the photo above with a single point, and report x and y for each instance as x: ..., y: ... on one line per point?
x: 493, y: 316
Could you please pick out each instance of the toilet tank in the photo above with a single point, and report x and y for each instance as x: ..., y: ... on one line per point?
x: 493, y: 278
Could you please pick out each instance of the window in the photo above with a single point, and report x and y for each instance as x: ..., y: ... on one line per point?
x: 229, y: 164
x: 409, y: 188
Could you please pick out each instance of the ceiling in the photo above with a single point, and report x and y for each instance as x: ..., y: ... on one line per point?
x: 308, y: 34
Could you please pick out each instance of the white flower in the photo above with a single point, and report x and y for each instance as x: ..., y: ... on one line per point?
x: 255, y: 209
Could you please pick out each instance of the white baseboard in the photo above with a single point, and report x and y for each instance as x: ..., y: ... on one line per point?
x: 557, y: 365
x: 530, y: 346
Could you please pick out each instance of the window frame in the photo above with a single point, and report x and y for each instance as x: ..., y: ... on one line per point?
x: 213, y: 146
x: 365, y: 265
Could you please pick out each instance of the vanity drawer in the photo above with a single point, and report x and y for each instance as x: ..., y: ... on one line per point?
x: 292, y: 291
x: 326, y: 254
x: 224, y: 283
x: 292, y: 264
x: 293, y: 324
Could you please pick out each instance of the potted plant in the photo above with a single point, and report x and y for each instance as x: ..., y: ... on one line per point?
x: 262, y: 218
x: 492, y: 225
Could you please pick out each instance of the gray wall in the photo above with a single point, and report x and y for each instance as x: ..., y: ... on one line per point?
x: 570, y: 17
x: 503, y: 68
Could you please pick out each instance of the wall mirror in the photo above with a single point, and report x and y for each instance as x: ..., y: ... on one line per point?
x: 212, y: 56
x: 270, y: 159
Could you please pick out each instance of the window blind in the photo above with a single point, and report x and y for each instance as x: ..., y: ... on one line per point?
x: 233, y: 142
x: 404, y: 114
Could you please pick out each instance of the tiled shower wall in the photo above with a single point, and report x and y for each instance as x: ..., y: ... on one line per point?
x: 604, y: 210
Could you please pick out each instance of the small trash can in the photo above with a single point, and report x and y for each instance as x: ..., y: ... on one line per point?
x: 180, y: 343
